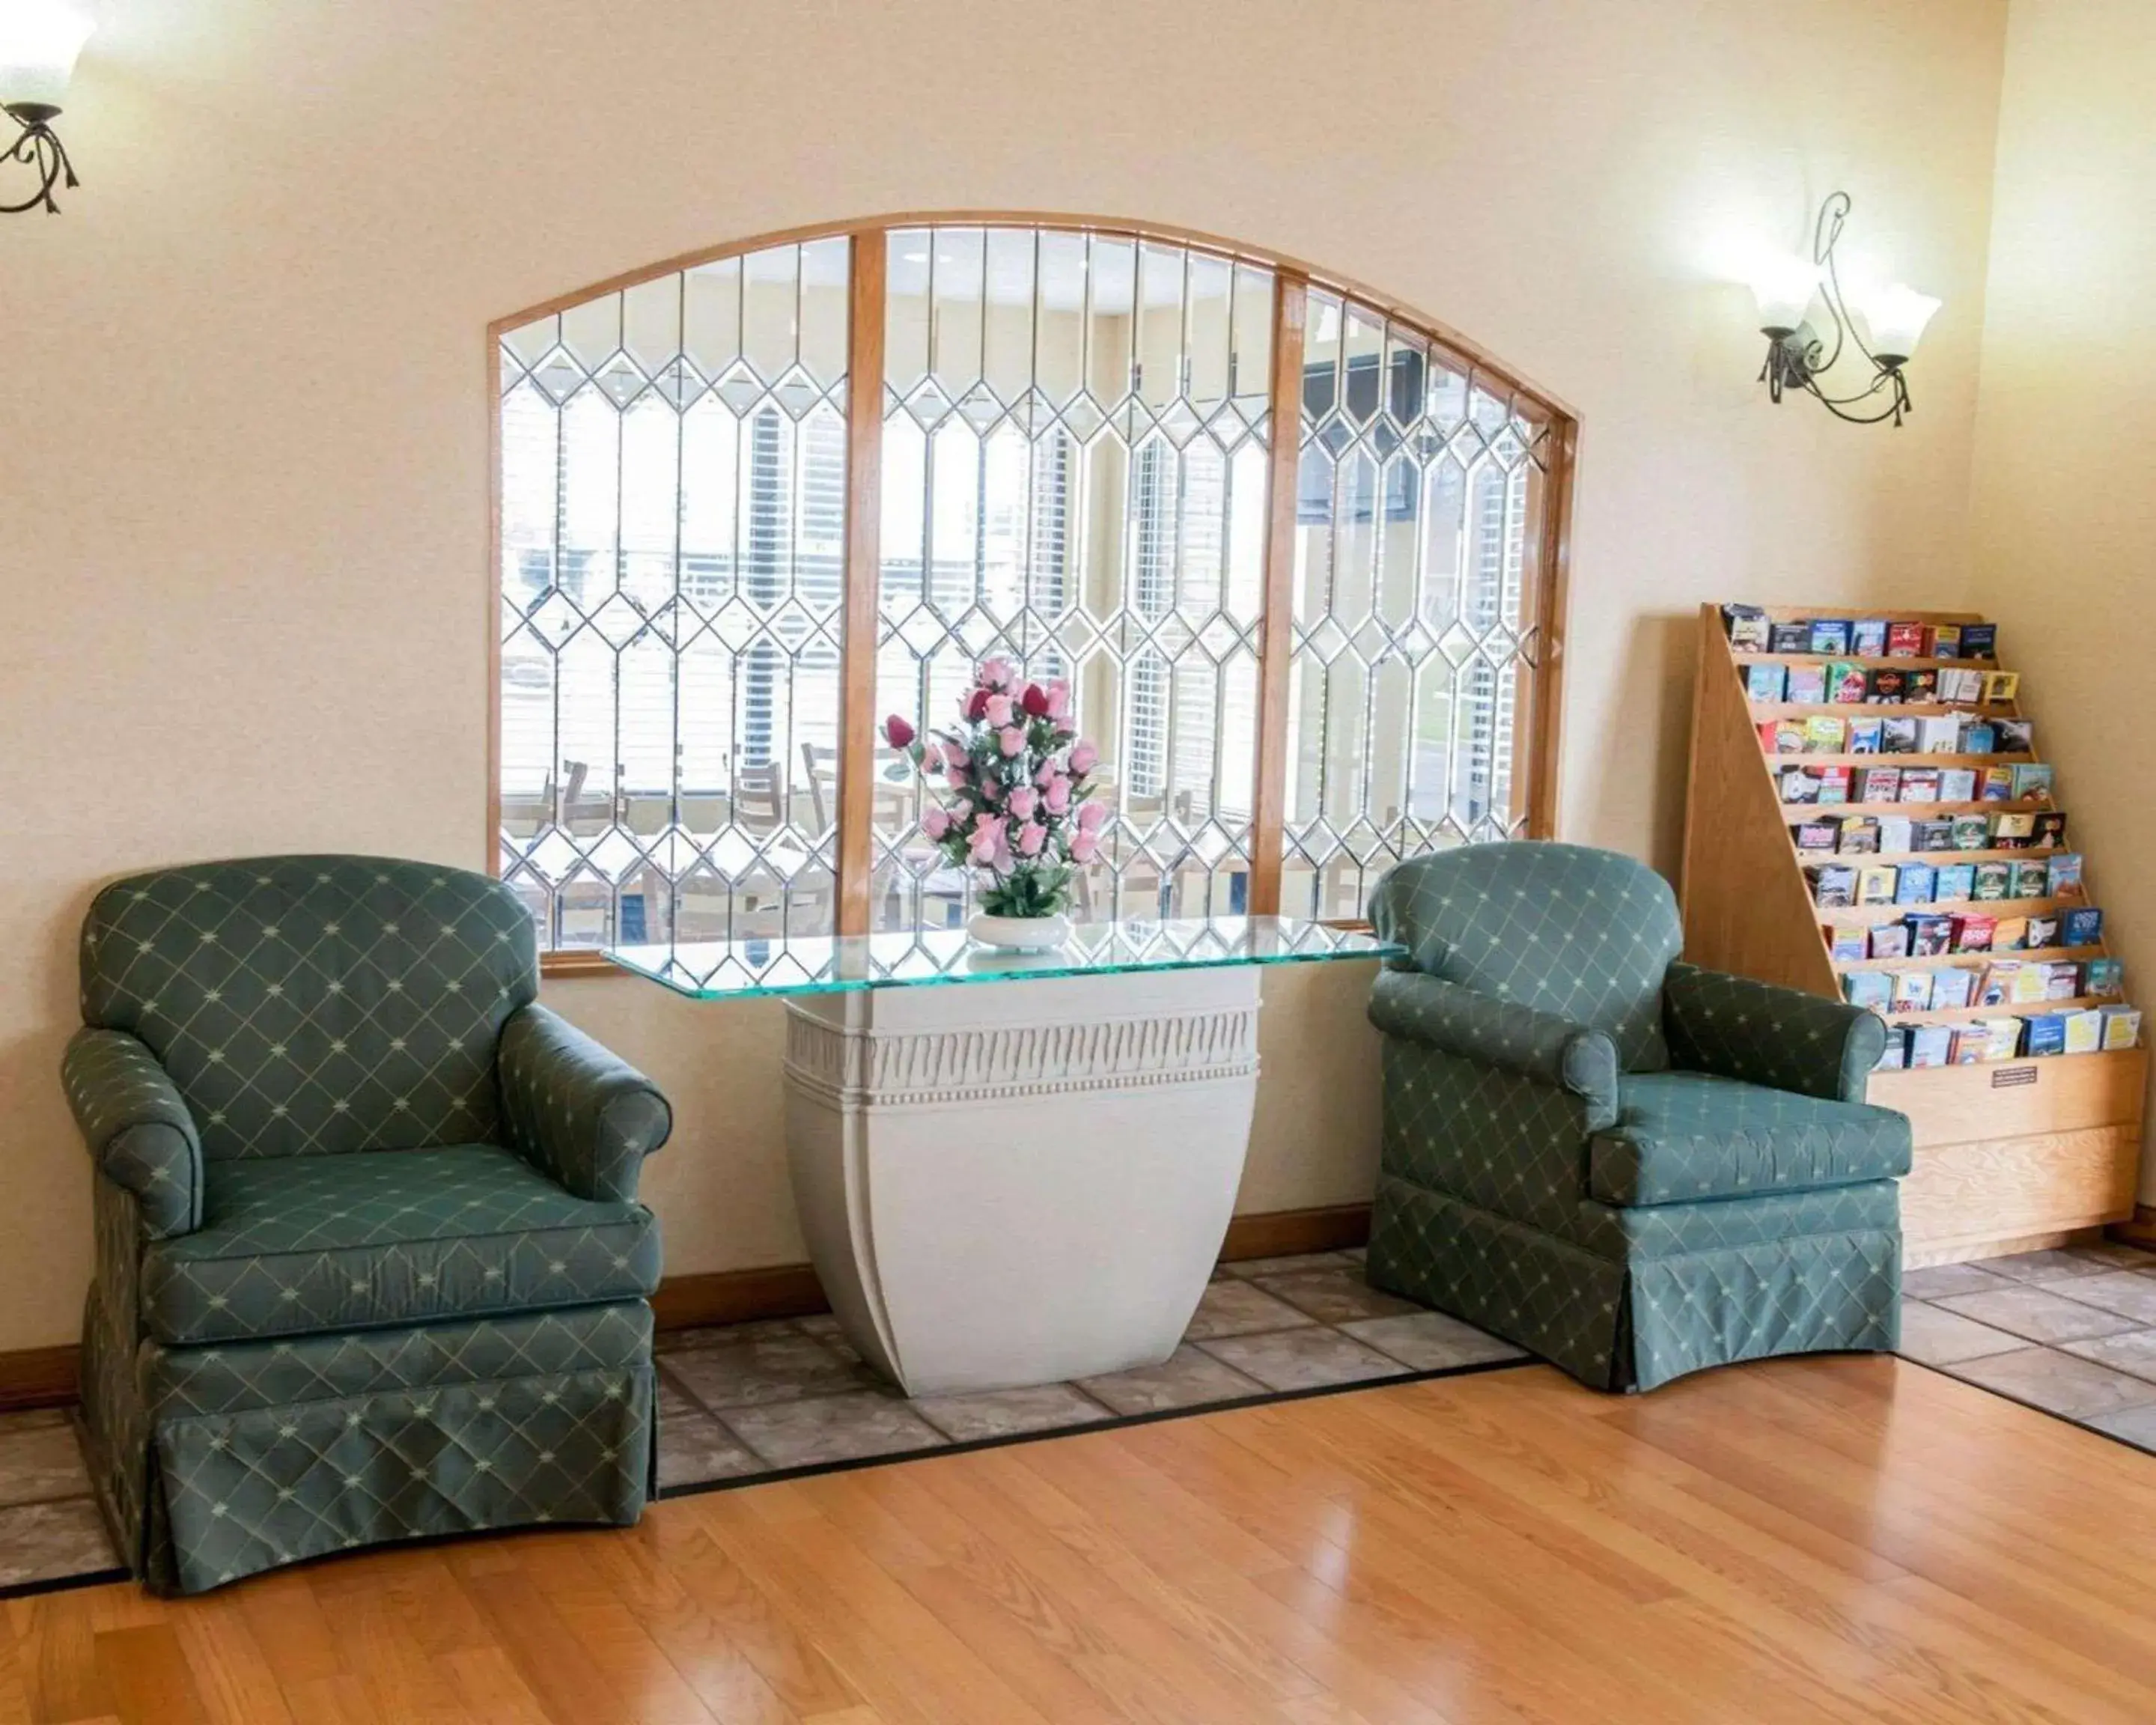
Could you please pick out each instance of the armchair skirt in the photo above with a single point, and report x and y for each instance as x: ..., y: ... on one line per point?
x: 1698, y: 1284
x: 215, y: 1462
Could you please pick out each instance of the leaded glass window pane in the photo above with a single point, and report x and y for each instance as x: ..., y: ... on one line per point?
x: 1074, y: 470
x: 1074, y: 473
x: 673, y: 524
x: 1415, y: 636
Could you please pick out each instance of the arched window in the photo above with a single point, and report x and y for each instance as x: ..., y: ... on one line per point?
x: 749, y: 504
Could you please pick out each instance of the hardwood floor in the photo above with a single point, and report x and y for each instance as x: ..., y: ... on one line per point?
x: 1844, y: 1539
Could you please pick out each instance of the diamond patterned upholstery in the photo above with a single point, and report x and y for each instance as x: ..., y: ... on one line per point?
x: 1680, y: 1137
x: 138, y: 1130
x: 1666, y: 1230
x: 1585, y: 935
x: 1548, y: 1174
x: 1453, y: 1019
x: 1509, y: 1143
x: 247, y: 1492
x: 370, y: 1260
x: 301, y: 1243
x: 574, y: 1110
x: 1826, y: 1276
x: 1738, y: 1028
x: 338, y: 1365
x: 309, y: 1004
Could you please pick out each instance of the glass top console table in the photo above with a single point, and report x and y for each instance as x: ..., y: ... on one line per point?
x: 1019, y: 1184
x: 741, y: 969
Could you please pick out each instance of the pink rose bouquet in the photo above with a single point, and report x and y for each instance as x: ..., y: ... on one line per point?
x: 1019, y: 778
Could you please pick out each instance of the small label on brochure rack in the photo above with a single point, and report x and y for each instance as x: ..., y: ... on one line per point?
x: 2007, y: 1077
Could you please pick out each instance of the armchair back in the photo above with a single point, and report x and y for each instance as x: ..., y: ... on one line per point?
x: 1585, y: 934
x: 304, y: 1005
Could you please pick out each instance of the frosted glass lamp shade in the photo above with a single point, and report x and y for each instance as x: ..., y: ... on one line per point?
x: 39, y: 42
x: 1784, y: 286
x: 1896, y: 316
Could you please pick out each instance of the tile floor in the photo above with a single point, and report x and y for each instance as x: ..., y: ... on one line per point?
x: 50, y: 1527
x: 2072, y: 1333
x: 764, y: 1398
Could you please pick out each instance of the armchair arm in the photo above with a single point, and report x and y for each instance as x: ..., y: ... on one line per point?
x: 138, y: 1130
x: 1761, y: 1033
x: 574, y: 1111
x: 1502, y: 1033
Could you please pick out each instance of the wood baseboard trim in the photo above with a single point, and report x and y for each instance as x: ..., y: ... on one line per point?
x: 48, y: 1377
x: 38, y: 1377
x: 2141, y: 1230
x: 737, y: 1296
x: 1285, y: 1234
x: 1925, y: 1255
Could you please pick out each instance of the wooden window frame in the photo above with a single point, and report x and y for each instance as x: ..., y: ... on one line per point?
x: 1551, y: 483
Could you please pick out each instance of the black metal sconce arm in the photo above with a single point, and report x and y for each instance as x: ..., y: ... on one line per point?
x: 1797, y: 359
x: 1792, y: 363
x: 39, y: 148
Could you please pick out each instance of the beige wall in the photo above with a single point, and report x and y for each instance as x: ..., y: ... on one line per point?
x: 243, y: 487
x: 2065, y: 507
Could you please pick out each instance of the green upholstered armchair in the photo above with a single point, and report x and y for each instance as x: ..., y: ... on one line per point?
x: 1632, y: 1166
x: 370, y: 1263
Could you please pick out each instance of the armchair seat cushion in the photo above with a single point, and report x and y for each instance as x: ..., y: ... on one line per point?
x: 1682, y: 1138
x: 292, y: 1246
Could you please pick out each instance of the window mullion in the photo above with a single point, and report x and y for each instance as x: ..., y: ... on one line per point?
x: 1269, y: 817
x: 861, y: 579
x: 1545, y: 581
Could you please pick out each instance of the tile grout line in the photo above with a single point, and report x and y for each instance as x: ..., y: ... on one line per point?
x: 1115, y: 1422
x: 2033, y: 1407
x: 1271, y: 1272
x: 1958, y: 1369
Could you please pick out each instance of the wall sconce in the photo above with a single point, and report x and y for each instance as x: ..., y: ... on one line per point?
x: 39, y: 43
x: 1796, y: 355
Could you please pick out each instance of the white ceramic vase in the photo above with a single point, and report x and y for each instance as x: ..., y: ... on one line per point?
x: 1019, y: 934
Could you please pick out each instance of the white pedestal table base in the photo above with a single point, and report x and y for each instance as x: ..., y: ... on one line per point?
x: 1022, y: 1183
